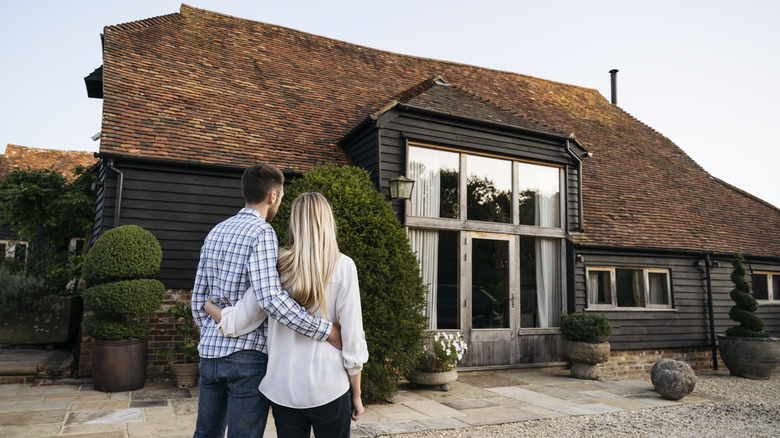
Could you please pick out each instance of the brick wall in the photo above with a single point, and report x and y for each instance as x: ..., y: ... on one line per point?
x: 161, y: 334
x: 638, y: 363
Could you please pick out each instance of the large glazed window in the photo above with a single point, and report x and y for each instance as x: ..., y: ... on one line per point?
x: 611, y: 287
x: 539, y: 195
x: 489, y: 189
x: 488, y: 233
x: 539, y: 282
x: 437, y: 175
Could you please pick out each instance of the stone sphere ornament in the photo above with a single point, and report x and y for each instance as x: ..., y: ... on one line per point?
x: 672, y: 379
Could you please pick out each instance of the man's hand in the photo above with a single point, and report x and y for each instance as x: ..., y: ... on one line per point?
x: 335, y: 335
x: 216, y: 312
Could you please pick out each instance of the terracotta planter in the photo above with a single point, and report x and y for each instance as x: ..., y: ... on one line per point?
x: 440, y: 379
x: 186, y: 374
x: 752, y: 358
x: 585, y: 357
x: 119, y: 365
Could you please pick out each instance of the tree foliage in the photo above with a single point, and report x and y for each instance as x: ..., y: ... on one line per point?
x: 43, y: 208
x: 392, y: 292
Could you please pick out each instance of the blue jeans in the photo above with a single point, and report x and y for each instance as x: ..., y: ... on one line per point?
x: 330, y: 420
x: 229, y: 396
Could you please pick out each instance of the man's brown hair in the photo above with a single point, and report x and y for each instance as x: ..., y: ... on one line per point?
x: 259, y: 181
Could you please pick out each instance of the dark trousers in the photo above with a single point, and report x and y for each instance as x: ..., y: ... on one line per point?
x: 230, y: 396
x: 329, y: 420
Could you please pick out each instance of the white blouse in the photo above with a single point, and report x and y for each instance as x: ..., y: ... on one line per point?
x: 303, y: 372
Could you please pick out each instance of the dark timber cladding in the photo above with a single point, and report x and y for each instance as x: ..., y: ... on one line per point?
x: 178, y: 204
x: 687, y: 323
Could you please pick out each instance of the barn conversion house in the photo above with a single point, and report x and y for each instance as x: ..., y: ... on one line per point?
x: 532, y: 198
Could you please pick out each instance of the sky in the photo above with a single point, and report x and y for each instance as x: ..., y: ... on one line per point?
x: 702, y: 73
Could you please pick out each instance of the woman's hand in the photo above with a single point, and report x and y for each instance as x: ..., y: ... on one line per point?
x: 357, y: 407
x: 213, y: 310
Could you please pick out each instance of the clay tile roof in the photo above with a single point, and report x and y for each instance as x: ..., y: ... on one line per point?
x: 20, y: 157
x: 202, y: 87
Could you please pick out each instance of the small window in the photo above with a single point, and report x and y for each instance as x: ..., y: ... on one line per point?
x: 766, y: 286
x: 610, y: 287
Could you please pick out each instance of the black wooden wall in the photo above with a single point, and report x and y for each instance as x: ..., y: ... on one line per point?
x: 687, y: 324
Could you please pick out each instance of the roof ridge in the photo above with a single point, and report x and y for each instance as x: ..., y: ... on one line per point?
x: 190, y: 9
x: 147, y: 22
x: 34, y: 149
x: 416, y: 90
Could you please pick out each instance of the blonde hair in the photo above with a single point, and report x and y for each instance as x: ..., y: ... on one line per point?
x: 307, y: 263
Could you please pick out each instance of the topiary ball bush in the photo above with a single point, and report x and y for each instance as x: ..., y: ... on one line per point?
x: 130, y: 298
x: 110, y: 329
x: 586, y: 327
x: 392, y: 292
x: 121, y: 253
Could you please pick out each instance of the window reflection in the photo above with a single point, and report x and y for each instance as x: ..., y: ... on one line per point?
x: 436, y: 188
x: 490, y: 283
x: 489, y: 189
x: 539, y: 195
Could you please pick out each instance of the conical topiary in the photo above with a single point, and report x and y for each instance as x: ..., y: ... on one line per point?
x: 750, y: 325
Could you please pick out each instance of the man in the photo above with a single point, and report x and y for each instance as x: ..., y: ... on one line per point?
x: 239, y: 255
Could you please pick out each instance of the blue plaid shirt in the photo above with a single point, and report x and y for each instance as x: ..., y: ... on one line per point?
x: 238, y: 254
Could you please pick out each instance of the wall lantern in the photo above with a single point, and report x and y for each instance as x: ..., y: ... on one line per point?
x: 401, y: 187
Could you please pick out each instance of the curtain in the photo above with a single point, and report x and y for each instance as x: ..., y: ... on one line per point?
x: 426, y: 244
x: 547, y: 289
x: 638, y: 287
x: 547, y: 284
x: 424, y: 169
x: 593, y: 287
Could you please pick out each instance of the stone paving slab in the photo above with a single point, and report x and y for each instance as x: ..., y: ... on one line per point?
x: 162, y: 410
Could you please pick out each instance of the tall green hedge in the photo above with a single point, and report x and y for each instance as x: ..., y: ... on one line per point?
x: 120, y: 300
x: 392, y: 292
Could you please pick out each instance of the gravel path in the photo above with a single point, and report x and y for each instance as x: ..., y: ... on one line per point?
x: 745, y: 408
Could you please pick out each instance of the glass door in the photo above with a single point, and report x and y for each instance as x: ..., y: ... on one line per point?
x: 490, y: 274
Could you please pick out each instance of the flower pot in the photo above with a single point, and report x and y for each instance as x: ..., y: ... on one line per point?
x: 186, y: 374
x: 441, y: 379
x: 119, y: 365
x: 752, y: 358
x: 585, y: 357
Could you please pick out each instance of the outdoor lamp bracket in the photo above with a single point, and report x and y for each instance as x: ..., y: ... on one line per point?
x: 401, y: 187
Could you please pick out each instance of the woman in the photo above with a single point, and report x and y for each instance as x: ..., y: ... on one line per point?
x: 310, y: 383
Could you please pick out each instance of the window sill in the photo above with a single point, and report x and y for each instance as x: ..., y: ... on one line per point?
x: 630, y: 309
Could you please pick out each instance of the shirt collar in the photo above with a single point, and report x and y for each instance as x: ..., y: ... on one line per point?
x: 251, y: 211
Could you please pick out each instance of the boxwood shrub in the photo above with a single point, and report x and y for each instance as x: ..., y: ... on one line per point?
x: 120, y: 301
x: 745, y: 305
x: 392, y: 292
x: 124, y: 252
x: 585, y: 326
x: 133, y: 298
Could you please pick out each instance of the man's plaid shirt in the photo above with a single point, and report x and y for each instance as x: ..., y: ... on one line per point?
x: 238, y: 254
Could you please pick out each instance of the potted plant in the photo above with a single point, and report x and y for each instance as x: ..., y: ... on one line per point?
x: 121, y: 301
x: 747, y: 350
x: 438, y: 361
x: 46, y: 211
x: 185, y: 369
x: 585, y: 343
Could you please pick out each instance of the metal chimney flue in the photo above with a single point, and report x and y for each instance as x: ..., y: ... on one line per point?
x: 613, y: 77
